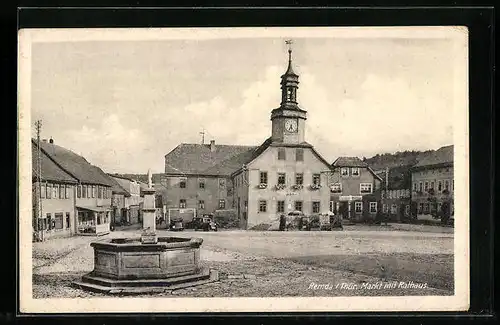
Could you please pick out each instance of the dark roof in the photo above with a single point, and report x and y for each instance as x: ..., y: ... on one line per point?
x: 50, y: 170
x: 188, y: 159
x: 349, y: 162
x: 443, y: 155
x: 117, y: 188
x: 399, y: 177
x: 76, y: 165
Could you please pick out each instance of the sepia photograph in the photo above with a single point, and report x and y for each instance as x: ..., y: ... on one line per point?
x: 243, y: 169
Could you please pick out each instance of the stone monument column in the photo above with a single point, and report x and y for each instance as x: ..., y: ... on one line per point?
x: 149, y: 214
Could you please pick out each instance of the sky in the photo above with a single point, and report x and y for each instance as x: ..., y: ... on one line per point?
x: 124, y: 104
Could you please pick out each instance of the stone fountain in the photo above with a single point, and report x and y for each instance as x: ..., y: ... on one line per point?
x: 147, y: 264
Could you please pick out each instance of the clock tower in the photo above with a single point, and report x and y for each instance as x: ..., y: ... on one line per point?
x: 288, y: 120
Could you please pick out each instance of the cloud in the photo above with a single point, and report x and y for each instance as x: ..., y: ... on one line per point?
x: 112, y: 146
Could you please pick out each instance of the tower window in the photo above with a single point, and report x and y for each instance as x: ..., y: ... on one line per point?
x: 281, y: 154
x: 289, y: 93
x: 299, y: 154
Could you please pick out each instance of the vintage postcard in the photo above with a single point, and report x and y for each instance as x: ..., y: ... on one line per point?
x: 243, y: 170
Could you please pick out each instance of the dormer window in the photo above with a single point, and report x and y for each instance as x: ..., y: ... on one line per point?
x: 344, y: 171
x: 355, y: 171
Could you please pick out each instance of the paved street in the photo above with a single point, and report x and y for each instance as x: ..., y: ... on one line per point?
x: 280, y: 263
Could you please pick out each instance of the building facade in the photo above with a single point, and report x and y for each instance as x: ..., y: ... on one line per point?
x: 53, y: 198
x: 256, y: 184
x: 354, y: 190
x: 396, y: 193
x: 132, y: 199
x: 433, y: 184
x: 92, y: 192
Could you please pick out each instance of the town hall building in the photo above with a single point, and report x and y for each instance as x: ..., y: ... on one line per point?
x: 255, y: 183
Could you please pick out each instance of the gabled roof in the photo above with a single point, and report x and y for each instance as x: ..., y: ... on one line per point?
x: 349, y: 162
x: 197, y: 159
x: 50, y: 170
x: 117, y: 188
x: 75, y: 165
x: 353, y: 162
x: 442, y: 156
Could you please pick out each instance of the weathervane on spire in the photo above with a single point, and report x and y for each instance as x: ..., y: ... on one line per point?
x: 289, y: 42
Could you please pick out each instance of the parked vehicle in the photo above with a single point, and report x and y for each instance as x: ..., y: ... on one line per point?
x: 176, y: 224
x: 305, y: 223
x: 205, y: 223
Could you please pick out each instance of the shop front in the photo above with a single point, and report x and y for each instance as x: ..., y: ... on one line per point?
x: 93, y: 220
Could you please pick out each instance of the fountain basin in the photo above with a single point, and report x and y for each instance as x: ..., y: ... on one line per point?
x: 128, y: 266
x: 128, y: 258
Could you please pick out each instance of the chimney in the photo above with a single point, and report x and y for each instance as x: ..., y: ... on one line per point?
x: 51, y: 141
x: 212, y: 145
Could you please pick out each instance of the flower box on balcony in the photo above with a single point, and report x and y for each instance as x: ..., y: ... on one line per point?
x: 280, y: 186
x: 262, y: 185
x: 297, y: 187
x: 315, y: 186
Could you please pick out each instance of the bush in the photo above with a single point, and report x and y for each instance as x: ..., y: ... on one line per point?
x: 261, y: 227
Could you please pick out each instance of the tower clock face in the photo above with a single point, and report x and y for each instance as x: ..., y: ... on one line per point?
x: 291, y: 125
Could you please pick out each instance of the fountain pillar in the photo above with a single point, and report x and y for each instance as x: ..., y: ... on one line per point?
x: 148, y: 235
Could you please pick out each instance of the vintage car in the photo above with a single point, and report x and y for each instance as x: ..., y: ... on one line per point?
x: 294, y: 219
x: 176, y: 224
x: 205, y: 223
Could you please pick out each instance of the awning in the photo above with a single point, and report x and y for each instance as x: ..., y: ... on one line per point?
x: 94, y: 209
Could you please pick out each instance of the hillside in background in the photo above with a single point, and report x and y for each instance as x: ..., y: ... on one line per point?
x: 393, y: 160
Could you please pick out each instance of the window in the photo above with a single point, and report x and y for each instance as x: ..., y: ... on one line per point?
x: 58, y: 221
x: 298, y: 205
x: 263, y: 177
x: 407, y: 209
x: 315, y: 207
x: 43, y: 189
x: 390, y: 194
x: 299, y: 154
x: 358, y: 207
x: 68, y: 220
x: 262, y: 206
x: 420, y: 187
x: 316, y: 179
x: 344, y: 171
x: 280, y: 207
x: 332, y: 206
x: 426, y: 186
x: 49, y: 191
x: 452, y: 185
x: 89, y: 192
x: 336, y: 188
x: 394, y: 209
x: 431, y: 186
x: 365, y: 188
x: 66, y: 194
x: 439, y: 206
x: 246, y: 204
x: 222, y: 183
x: 222, y: 204
x: 93, y: 190
x: 385, y: 208
x: 201, y: 183
x: 201, y: 204
x: 446, y: 185
x: 55, y: 191
x: 415, y: 186
x: 355, y: 171
x: 182, y: 203
x: 281, y: 154
x: 299, y: 179
x: 182, y: 183
x: 373, y: 207
x: 440, y: 186
x: 281, y: 178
